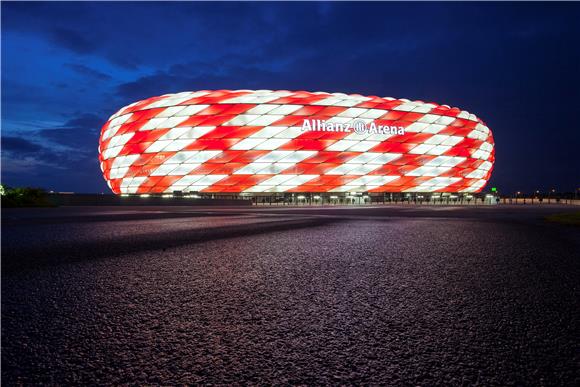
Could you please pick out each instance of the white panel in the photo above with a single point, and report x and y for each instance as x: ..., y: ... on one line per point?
x: 241, y: 120
x: 486, y: 166
x: 298, y: 156
x: 171, y: 122
x: 208, y: 180
x: 277, y: 188
x: 262, y: 109
x: 421, y: 149
x: 297, y: 180
x: 423, y: 108
x: 153, y: 123
x: 486, y: 146
x: 137, y: 181
x: 120, y: 120
x: 265, y: 120
x: 445, y: 161
x: 290, y: 133
x: 168, y: 102
x: 373, y: 113
x: 358, y: 137
x: 180, y: 157
x: 273, y: 156
x: 197, y: 131
x: 177, y: 145
x: 434, y: 184
x: 363, y: 169
x: 445, y: 120
x: 272, y: 169
x: 363, y: 146
x: 124, y: 161
x: 379, y: 137
x: 382, y: 180
x: 436, y: 139
x: 426, y: 170
x: 406, y: 107
x: 120, y: 140
x: 263, y: 188
x: 251, y: 169
x: 203, y: 156
x: 417, y: 127
x: 327, y: 101
x: 134, y: 185
x: 276, y: 180
x: 433, y: 128
x: 190, y: 110
x: 364, y: 180
x: 112, y: 152
x: 429, y: 118
x: 187, y: 180
x: 364, y: 158
x: 352, y: 112
x: 175, y: 133
x: 271, y: 144
x: 482, y: 128
x: 111, y: 131
x: 164, y: 169
x: 365, y: 183
x: 342, y: 169
x: 339, y: 120
x: 385, y: 158
x: 452, y: 140
x: 476, y: 174
x: 286, y: 109
x: 438, y: 150
x: 157, y: 146
x: 183, y: 169
x: 170, y: 111
x: 247, y: 144
x: 344, y: 188
x: 477, y: 134
x: 348, y: 102
x: 118, y: 173
x: 258, y: 97
x: 341, y: 145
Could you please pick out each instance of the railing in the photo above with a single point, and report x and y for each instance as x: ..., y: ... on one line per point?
x: 540, y: 201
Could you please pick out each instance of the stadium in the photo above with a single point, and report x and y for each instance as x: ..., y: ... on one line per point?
x: 295, y: 146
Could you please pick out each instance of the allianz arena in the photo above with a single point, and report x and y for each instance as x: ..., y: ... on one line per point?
x: 285, y: 143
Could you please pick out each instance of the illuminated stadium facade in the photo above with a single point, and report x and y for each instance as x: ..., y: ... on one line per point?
x: 283, y: 144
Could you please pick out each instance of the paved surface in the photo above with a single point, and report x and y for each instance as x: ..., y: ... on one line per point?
x: 373, y: 295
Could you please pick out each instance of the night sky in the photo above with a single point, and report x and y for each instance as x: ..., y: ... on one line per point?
x: 66, y: 67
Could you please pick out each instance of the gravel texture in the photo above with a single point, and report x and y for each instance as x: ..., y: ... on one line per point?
x: 390, y: 296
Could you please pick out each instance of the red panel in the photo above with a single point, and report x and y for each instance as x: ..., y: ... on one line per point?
x: 308, y: 110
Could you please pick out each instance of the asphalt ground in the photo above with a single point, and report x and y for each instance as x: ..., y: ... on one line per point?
x: 384, y: 295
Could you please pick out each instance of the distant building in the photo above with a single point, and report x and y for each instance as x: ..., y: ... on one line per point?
x: 266, y: 142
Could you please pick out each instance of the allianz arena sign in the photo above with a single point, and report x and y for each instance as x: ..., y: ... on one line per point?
x: 236, y: 141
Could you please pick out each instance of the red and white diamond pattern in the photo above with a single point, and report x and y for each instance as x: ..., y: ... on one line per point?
x: 252, y: 141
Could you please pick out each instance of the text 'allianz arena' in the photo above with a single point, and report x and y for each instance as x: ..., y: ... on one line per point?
x: 266, y: 141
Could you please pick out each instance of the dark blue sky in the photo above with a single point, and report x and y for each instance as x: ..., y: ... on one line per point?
x: 66, y: 67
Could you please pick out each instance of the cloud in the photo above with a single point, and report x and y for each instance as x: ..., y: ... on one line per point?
x: 19, y: 145
x: 71, y: 147
x: 87, y: 71
x: 73, y: 40
x: 27, y: 163
x: 80, y: 133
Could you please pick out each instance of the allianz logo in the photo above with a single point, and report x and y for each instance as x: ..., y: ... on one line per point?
x: 355, y: 126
